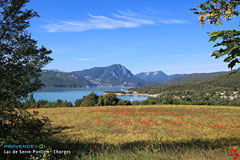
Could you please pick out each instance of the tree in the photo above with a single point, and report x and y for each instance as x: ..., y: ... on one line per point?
x: 21, y: 61
x: 90, y: 100
x: 124, y: 102
x: 65, y: 104
x: 78, y: 102
x: 215, y: 11
x: 70, y: 104
x: 100, y: 101
x: 30, y: 102
x: 110, y: 99
x: 60, y: 103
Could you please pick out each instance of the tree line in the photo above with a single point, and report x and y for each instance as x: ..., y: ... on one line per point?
x: 188, y: 98
x: 90, y: 100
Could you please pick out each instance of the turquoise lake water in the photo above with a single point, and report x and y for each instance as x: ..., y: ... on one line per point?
x: 71, y: 94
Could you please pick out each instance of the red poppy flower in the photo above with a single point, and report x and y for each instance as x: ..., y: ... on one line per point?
x: 234, y: 150
x: 188, y: 156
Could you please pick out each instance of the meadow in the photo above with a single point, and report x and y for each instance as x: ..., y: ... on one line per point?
x: 146, y: 132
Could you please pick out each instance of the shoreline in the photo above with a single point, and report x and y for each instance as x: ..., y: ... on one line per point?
x: 134, y: 94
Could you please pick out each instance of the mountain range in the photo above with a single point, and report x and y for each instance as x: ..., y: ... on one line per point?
x: 116, y: 75
x: 158, y: 77
x: 224, y: 84
x: 195, y: 77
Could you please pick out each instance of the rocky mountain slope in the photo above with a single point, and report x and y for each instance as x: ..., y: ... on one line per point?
x: 114, y: 75
x: 158, y: 77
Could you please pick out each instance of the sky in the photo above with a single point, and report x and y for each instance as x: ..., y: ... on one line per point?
x: 142, y: 35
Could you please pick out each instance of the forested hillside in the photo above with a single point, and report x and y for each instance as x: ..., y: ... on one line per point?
x: 195, y: 77
x: 62, y: 79
x: 229, y: 82
x: 223, y: 90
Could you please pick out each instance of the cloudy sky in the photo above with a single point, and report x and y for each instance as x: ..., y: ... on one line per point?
x: 142, y: 35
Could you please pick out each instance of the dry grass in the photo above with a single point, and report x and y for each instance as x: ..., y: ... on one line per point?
x: 214, y: 126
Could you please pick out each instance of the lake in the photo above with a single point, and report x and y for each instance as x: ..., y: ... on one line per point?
x: 71, y: 94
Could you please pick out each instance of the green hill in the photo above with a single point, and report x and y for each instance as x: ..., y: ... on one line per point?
x: 228, y: 83
x: 195, y: 77
x: 62, y: 79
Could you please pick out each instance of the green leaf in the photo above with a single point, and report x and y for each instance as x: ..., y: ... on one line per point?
x: 216, y: 54
x: 233, y: 63
x: 193, y: 9
x: 213, y: 39
x: 228, y: 59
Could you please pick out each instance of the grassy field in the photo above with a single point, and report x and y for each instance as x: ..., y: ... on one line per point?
x: 147, y: 132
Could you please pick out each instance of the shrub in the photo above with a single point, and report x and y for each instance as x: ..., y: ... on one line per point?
x: 90, y: 100
x: 110, y: 99
x: 124, y: 102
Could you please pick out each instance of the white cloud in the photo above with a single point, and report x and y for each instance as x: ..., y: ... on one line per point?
x: 85, y: 59
x: 128, y: 13
x: 173, y: 21
x: 123, y: 19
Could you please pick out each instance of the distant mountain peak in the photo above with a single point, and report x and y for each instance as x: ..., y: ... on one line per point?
x: 156, y: 73
x: 54, y: 70
x: 120, y: 71
x: 116, y: 75
x: 157, y: 77
x: 117, y: 65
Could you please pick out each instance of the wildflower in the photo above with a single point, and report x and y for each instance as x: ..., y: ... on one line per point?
x: 94, y: 146
x: 234, y: 150
x: 235, y: 153
x: 188, y: 156
x: 178, y: 147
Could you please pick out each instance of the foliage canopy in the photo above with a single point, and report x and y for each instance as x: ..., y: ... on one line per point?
x: 215, y: 11
x: 21, y: 61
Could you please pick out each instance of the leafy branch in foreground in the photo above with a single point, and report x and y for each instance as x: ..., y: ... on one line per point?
x: 21, y: 61
x: 215, y: 11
